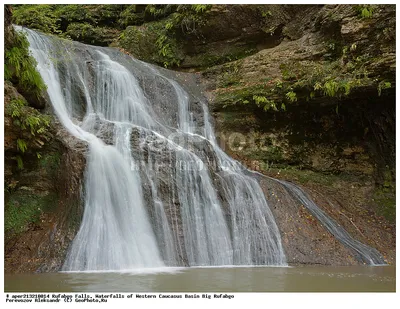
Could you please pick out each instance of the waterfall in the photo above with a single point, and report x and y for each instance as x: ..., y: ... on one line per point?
x: 158, y: 190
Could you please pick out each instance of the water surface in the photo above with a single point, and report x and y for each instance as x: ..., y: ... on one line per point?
x: 214, y: 279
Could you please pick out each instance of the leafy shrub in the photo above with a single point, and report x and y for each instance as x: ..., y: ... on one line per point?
x: 41, y: 17
x: 130, y: 17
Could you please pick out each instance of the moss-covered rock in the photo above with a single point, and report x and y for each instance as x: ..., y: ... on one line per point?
x: 24, y: 209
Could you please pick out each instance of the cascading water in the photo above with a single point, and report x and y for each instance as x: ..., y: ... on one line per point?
x: 363, y: 252
x: 151, y: 197
x: 158, y: 189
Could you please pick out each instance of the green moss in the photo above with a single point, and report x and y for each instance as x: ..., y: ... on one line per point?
x: 51, y: 163
x: 385, y: 197
x: 386, y: 205
x: 24, y: 208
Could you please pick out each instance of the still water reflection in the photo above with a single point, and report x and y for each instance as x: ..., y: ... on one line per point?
x: 210, y: 279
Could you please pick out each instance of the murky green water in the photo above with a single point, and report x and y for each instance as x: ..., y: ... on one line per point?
x: 233, y: 279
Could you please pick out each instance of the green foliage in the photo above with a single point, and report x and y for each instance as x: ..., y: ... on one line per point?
x: 55, y: 18
x: 266, y: 14
x: 331, y: 88
x: 20, y: 163
x: 95, y: 24
x: 28, y: 118
x: 14, y: 109
x: 262, y: 101
x: 287, y: 72
x: 33, y: 126
x: 230, y: 76
x: 383, y: 85
x: 314, y: 78
x: 153, y: 43
x: 188, y: 18
x: 20, y: 66
x: 300, y: 82
x: 130, y: 17
x: 21, y: 145
x: 365, y: 11
x: 158, y: 11
x: 89, y: 34
x: 291, y: 96
x: 166, y: 50
x: 91, y: 24
x: 37, y: 16
x: 74, y: 13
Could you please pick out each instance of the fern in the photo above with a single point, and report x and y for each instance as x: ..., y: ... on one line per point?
x: 383, y: 85
x: 366, y: 12
x: 347, y: 88
x: 201, y: 8
x: 20, y: 163
x: 21, y: 145
x: 317, y: 86
x: 260, y: 100
x: 291, y: 96
x: 331, y: 88
x: 33, y: 124
x: 21, y: 65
